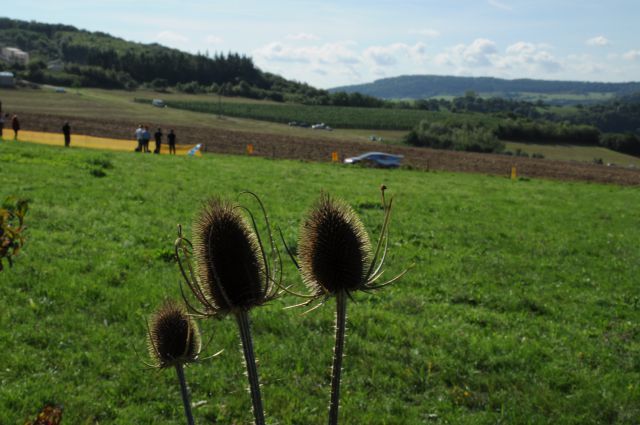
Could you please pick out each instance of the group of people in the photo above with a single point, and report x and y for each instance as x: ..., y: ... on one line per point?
x: 143, y: 136
x: 15, y: 124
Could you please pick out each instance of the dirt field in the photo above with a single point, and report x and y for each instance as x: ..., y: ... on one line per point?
x: 315, y: 149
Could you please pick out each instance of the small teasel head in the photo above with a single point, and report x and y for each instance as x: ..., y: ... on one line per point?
x: 334, y: 248
x: 231, y: 272
x: 173, y: 336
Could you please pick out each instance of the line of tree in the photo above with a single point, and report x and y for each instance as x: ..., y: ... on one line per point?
x: 459, y: 136
x: 488, y: 136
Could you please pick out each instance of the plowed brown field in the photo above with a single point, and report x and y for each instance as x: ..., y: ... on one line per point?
x: 315, y: 149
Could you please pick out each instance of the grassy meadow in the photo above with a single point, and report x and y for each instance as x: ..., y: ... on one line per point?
x: 579, y: 153
x: 522, y: 308
x: 120, y: 105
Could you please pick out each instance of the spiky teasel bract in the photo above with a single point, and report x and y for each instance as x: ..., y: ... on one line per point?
x: 231, y: 271
x: 336, y: 259
x: 173, y: 336
x: 334, y: 247
x: 335, y: 252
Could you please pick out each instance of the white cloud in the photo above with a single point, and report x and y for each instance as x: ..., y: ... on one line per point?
x: 379, y: 72
x: 426, y: 32
x: 303, y: 36
x: 599, y: 41
x: 518, y: 59
x: 529, y: 57
x: 499, y: 5
x: 632, y: 55
x: 478, y: 53
x: 214, y: 39
x: 328, y: 53
x: 390, y: 55
x: 171, y: 37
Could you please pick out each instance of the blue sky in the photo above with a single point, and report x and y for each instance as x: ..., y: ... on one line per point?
x: 330, y: 43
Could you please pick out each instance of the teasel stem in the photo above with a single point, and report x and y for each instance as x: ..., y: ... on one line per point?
x: 185, y: 394
x: 242, y: 318
x: 341, y: 320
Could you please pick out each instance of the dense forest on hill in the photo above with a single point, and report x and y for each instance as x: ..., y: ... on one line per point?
x: 97, y: 59
x: 426, y: 86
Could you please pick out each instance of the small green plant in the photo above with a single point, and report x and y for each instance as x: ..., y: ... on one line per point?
x: 97, y: 172
x: 12, y: 214
x: 103, y: 163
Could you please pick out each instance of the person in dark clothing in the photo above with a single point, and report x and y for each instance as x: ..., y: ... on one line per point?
x: 171, y: 138
x: 2, y: 120
x: 66, y: 129
x: 15, y: 124
x: 158, y: 136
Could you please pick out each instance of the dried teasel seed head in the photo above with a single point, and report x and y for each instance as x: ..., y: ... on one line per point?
x: 335, y: 251
x: 173, y: 336
x: 230, y: 260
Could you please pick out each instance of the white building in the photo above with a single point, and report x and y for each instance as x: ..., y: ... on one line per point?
x: 7, y: 79
x: 15, y: 55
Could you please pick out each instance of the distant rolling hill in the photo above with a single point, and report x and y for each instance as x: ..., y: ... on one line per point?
x: 426, y: 86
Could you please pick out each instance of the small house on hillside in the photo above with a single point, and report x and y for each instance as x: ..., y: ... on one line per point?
x: 15, y: 55
x: 7, y: 79
x: 55, y: 65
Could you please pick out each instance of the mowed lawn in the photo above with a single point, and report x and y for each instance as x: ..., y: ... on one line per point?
x: 523, y: 305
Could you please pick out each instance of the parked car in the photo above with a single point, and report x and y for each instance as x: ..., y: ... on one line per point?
x: 376, y: 159
x: 298, y: 124
x: 158, y: 103
x: 321, y: 126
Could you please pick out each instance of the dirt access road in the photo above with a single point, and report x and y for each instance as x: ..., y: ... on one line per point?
x: 314, y: 149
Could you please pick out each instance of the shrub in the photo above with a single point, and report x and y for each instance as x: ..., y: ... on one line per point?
x: 454, y: 136
x: 621, y: 142
x: 12, y: 213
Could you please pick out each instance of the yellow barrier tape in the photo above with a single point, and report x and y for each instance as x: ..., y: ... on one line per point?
x: 80, y: 140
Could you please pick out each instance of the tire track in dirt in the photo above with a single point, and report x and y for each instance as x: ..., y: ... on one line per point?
x: 316, y: 149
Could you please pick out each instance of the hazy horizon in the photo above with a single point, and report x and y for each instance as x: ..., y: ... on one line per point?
x: 330, y: 44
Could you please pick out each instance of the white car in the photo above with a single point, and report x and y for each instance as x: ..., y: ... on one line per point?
x: 321, y: 126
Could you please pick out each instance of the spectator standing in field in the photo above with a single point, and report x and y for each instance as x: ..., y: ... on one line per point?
x: 15, y: 124
x: 1, y: 124
x: 146, y: 136
x: 158, y: 137
x: 66, y: 130
x: 171, y: 138
x: 139, y: 132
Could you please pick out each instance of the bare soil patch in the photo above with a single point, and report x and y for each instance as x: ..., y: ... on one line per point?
x: 316, y: 149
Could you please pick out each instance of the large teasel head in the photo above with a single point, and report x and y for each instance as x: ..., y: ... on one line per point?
x: 173, y: 336
x: 226, y: 266
x: 335, y: 252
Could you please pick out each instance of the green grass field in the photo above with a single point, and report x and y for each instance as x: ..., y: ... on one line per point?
x: 334, y: 116
x: 575, y: 153
x: 522, y: 307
